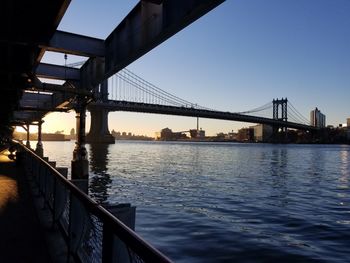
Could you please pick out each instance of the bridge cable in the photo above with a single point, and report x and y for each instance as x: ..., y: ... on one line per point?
x: 301, y: 118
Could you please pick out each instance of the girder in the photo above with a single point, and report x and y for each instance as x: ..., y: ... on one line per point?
x: 92, y: 73
x: 35, y: 99
x: 51, y: 71
x: 75, y: 44
x: 64, y: 89
x: 149, y: 24
x: 27, y: 116
x: 42, y: 109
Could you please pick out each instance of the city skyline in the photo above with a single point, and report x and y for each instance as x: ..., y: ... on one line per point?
x: 240, y: 56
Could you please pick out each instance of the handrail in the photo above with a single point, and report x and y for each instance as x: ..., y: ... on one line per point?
x: 145, y: 251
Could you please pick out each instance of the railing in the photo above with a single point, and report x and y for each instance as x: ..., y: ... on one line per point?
x: 92, y: 233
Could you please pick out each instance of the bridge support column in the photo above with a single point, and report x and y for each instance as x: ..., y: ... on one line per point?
x: 28, y: 135
x: 99, y: 132
x: 80, y: 163
x: 39, y: 150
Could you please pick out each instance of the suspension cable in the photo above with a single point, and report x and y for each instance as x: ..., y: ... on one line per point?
x: 300, y: 116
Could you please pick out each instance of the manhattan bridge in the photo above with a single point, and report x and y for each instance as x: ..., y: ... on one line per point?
x: 126, y: 91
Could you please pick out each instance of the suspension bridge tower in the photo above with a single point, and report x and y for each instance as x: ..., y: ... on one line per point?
x: 280, y: 113
x: 99, y: 132
x: 282, y: 103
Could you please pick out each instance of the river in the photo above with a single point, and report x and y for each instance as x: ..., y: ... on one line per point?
x: 228, y: 202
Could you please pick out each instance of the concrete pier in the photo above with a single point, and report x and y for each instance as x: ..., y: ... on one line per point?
x: 99, y: 132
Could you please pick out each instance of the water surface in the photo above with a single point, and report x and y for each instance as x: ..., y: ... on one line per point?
x: 228, y: 202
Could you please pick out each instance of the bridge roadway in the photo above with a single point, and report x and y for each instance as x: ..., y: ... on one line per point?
x: 114, y: 105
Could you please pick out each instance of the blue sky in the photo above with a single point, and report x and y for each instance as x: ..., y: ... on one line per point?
x: 239, y: 56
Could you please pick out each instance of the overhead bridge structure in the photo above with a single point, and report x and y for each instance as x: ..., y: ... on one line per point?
x: 29, y: 29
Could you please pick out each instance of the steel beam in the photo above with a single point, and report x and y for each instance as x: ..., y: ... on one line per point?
x: 35, y: 99
x: 27, y: 116
x: 92, y: 73
x: 75, y: 44
x: 148, y: 25
x: 62, y: 88
x: 39, y: 109
x: 51, y: 71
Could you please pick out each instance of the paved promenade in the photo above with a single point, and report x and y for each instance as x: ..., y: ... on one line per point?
x: 21, y: 237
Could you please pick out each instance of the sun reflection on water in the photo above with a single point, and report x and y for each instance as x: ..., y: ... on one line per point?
x: 344, y: 170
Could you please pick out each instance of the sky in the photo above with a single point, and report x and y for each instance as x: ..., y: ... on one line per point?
x: 239, y: 56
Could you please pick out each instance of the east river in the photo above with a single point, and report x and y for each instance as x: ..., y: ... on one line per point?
x: 228, y: 202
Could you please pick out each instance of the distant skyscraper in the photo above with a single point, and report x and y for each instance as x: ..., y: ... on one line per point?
x: 317, y: 119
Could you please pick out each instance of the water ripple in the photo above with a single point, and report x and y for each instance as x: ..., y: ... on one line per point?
x: 210, y: 202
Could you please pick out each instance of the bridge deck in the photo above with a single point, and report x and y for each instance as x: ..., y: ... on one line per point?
x: 21, y: 236
x: 117, y: 105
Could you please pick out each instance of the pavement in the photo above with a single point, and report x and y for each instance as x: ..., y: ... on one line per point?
x: 22, y: 239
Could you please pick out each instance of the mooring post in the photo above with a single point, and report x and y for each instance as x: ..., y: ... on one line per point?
x: 39, y: 150
x: 80, y: 163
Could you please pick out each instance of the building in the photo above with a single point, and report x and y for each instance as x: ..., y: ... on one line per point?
x: 166, y: 134
x: 262, y: 132
x: 232, y: 136
x: 194, y: 133
x: 245, y: 135
x: 201, y: 133
x: 317, y: 119
x: 54, y: 137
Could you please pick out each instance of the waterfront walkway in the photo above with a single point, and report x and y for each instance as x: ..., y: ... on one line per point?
x: 21, y: 236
